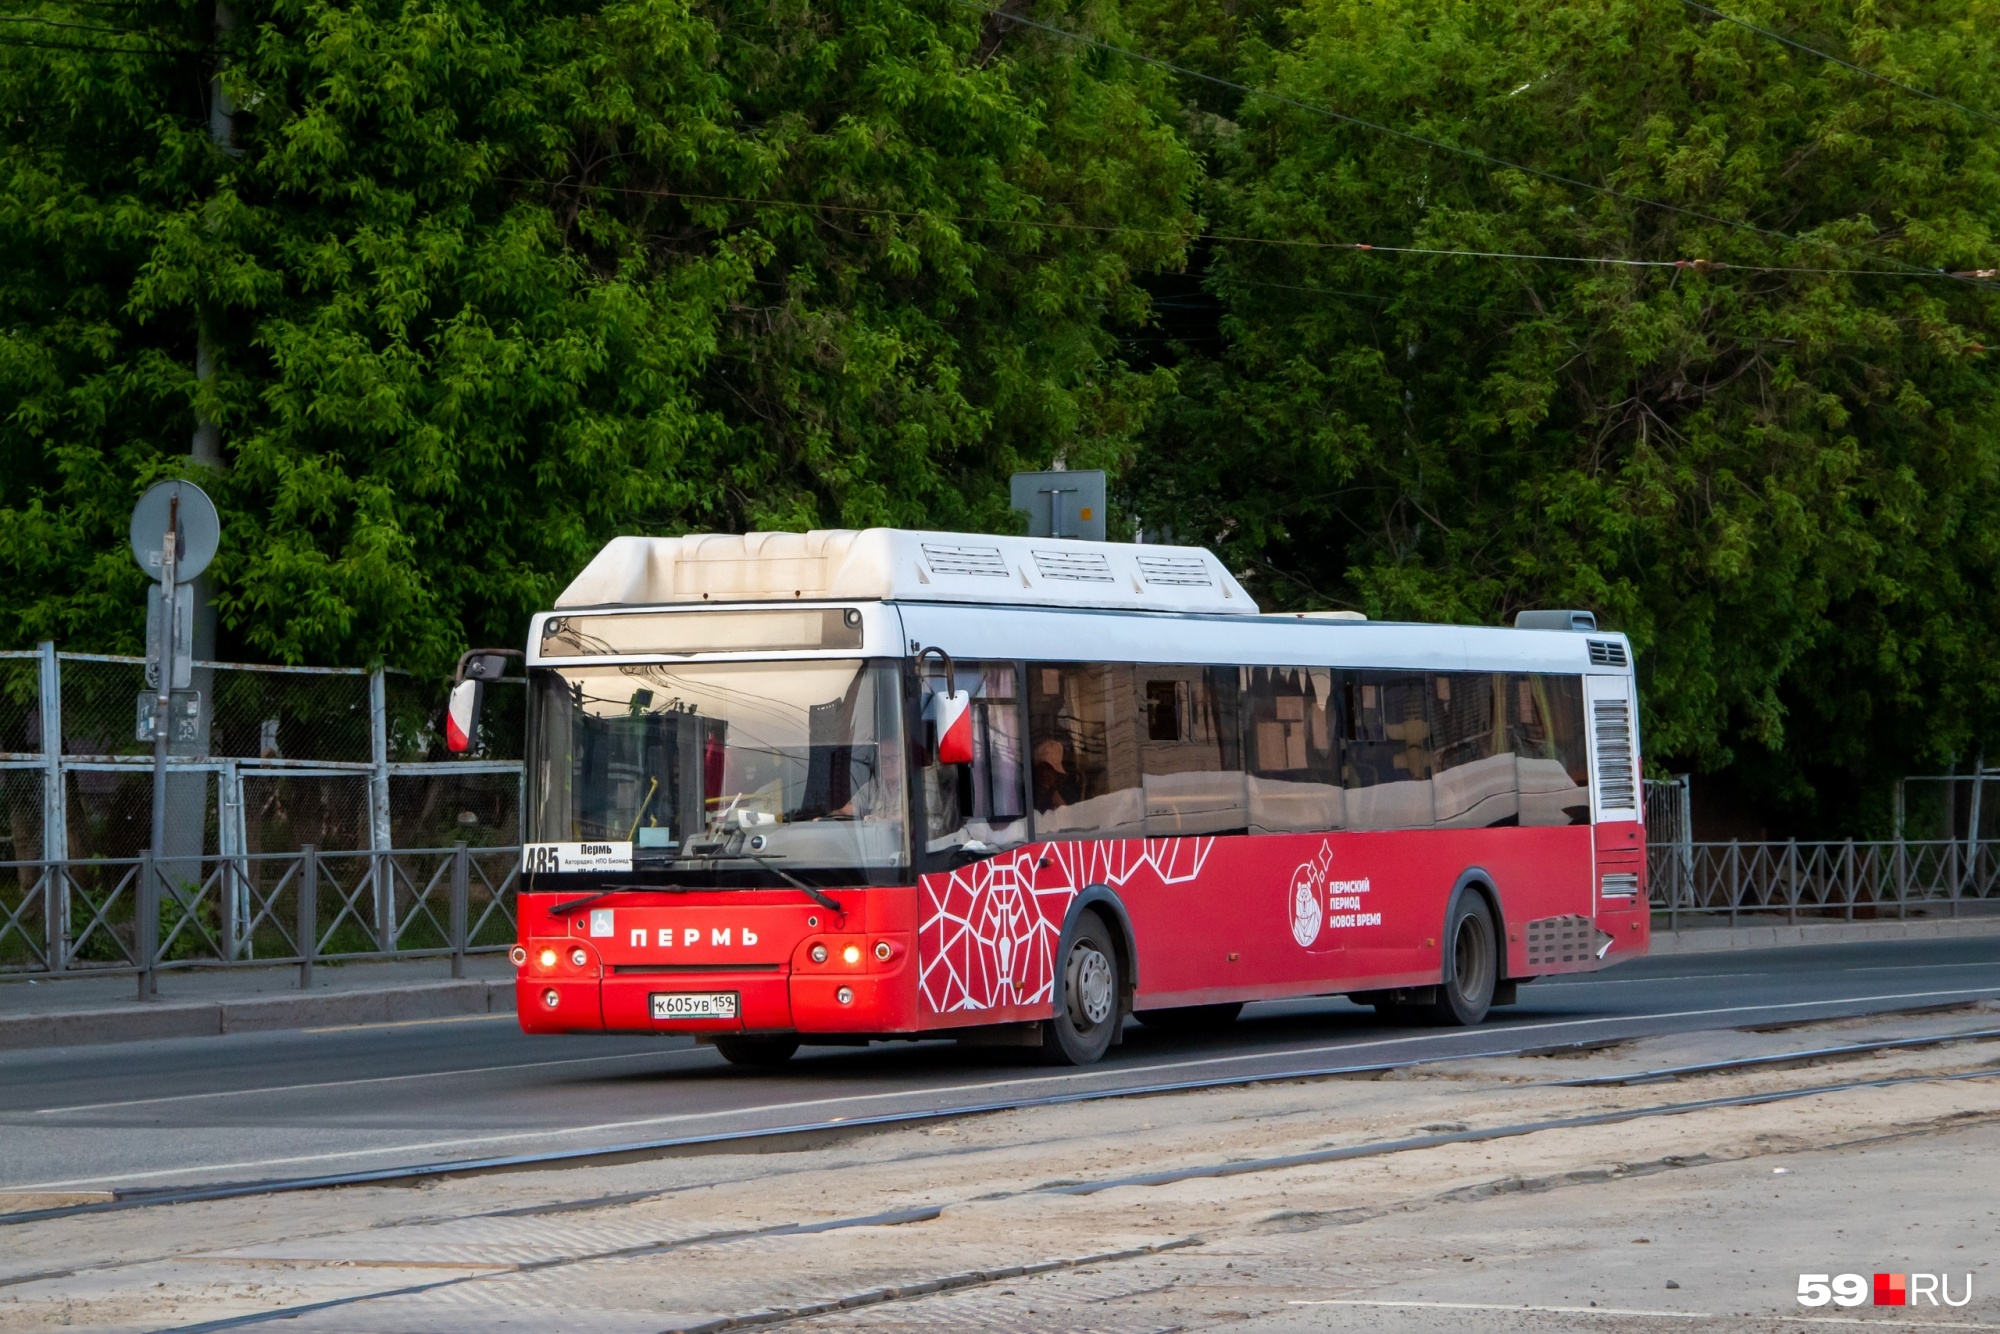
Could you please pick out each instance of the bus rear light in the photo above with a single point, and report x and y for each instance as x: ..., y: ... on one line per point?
x: 518, y: 956
x: 882, y: 950
x: 845, y: 995
x: 550, y: 997
x: 818, y: 954
x: 547, y: 959
x: 579, y: 958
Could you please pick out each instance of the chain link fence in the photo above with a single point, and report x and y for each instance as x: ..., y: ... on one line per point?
x: 264, y: 763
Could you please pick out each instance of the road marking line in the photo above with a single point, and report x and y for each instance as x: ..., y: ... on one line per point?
x: 1597, y: 980
x: 402, y: 1023
x: 682, y: 1117
x: 342, y: 1083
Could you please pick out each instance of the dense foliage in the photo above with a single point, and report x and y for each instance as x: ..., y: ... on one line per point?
x: 1779, y: 476
x: 487, y: 281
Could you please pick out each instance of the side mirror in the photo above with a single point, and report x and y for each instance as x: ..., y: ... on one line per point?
x: 461, y: 714
x: 950, y: 715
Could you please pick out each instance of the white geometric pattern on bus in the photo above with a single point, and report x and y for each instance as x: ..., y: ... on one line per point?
x: 990, y: 930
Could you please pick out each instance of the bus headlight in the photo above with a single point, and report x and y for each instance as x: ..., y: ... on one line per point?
x: 817, y: 954
x: 517, y: 956
x: 547, y: 958
x: 845, y: 995
x: 882, y: 950
x: 579, y: 958
x: 852, y: 954
x: 550, y: 997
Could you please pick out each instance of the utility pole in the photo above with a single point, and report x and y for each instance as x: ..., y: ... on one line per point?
x: 188, y: 793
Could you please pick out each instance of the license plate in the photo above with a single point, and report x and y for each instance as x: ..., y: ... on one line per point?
x: 694, y: 1005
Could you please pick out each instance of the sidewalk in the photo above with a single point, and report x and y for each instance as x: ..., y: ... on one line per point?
x: 1719, y: 937
x: 208, y: 1002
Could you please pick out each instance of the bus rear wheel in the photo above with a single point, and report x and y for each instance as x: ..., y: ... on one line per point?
x: 1472, y: 963
x: 758, y: 1051
x: 1191, y: 1018
x: 1087, y: 993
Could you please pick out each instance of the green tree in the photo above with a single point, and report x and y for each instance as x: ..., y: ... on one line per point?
x: 489, y: 281
x: 1778, y: 475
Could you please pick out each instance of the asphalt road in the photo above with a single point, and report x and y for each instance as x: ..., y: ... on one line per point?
x: 290, y: 1104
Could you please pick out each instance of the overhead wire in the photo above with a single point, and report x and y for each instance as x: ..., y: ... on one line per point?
x: 1488, y: 159
x: 72, y: 26
x: 1833, y: 59
x: 1683, y: 265
x: 97, y: 50
x: 63, y: 23
x: 1700, y: 266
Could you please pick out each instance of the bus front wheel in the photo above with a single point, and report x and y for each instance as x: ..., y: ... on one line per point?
x: 1471, y: 963
x: 1087, y: 992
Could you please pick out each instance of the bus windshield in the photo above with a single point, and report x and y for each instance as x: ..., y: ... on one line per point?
x: 799, y: 764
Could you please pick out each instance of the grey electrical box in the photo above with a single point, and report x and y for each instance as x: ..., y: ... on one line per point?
x: 183, y: 715
x: 1061, y: 504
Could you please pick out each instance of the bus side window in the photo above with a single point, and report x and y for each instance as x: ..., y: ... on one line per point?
x: 1293, y: 757
x: 1083, y: 729
x: 1545, y: 727
x: 1189, y: 749
x: 1476, y: 783
x: 981, y: 802
x: 1386, y: 758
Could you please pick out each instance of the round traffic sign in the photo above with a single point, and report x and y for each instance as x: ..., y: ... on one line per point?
x: 200, y: 529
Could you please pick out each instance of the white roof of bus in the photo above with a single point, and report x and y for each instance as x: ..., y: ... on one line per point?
x: 893, y: 564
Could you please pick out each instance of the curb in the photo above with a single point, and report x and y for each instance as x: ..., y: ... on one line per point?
x: 149, y: 1022
x: 1716, y: 940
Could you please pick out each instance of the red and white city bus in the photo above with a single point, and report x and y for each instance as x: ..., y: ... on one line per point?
x: 841, y: 786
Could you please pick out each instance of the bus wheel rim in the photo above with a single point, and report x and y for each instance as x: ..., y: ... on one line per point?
x: 1090, y: 996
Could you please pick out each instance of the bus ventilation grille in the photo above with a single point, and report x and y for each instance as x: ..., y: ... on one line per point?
x: 1186, y: 571
x: 1077, y: 566
x: 965, y: 560
x: 1607, y: 653
x: 1616, y: 789
x: 1561, y: 940
x: 1621, y: 884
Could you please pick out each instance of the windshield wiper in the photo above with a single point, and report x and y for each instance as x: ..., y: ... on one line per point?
x: 564, y: 909
x: 821, y: 897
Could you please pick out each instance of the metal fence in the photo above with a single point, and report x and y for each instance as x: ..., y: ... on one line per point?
x: 304, y: 907
x: 1848, y: 880
x: 263, y: 759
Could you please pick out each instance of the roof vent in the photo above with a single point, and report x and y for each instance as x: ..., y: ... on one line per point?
x: 1555, y: 620
x: 965, y: 560
x: 1083, y: 567
x: 1183, y: 571
x: 1607, y: 653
